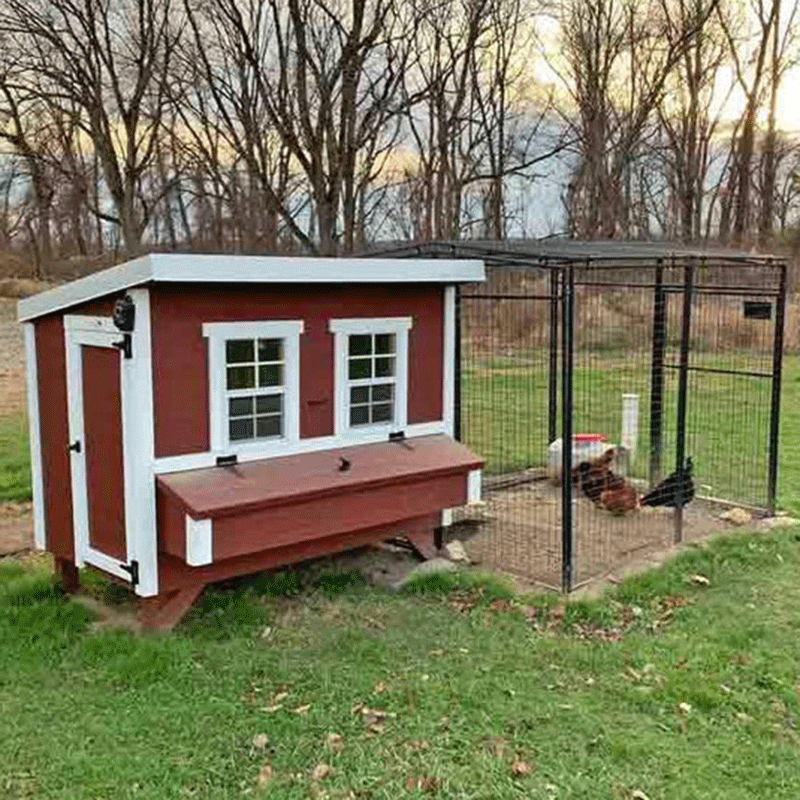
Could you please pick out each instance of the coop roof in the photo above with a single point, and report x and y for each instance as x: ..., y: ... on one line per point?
x: 195, y: 268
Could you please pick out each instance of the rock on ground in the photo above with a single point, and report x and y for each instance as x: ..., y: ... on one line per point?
x: 456, y: 551
x: 737, y: 516
x: 435, y: 565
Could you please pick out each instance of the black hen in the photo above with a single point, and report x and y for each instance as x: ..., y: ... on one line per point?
x: 674, y: 491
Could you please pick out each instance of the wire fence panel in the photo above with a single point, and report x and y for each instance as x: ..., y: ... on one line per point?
x: 668, y: 362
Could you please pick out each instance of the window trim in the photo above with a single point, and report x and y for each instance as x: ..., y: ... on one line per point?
x: 217, y: 334
x: 341, y: 329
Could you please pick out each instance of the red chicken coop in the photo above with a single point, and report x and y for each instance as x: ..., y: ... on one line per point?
x: 199, y: 417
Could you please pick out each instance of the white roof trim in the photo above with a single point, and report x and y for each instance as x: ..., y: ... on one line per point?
x: 194, y: 268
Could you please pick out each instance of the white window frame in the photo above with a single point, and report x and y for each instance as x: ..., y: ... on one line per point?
x: 341, y: 330
x: 217, y: 334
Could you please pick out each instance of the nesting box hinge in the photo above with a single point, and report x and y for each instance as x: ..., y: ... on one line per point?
x: 133, y: 568
x: 400, y: 438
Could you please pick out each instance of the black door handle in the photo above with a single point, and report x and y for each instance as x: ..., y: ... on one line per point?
x: 76, y: 446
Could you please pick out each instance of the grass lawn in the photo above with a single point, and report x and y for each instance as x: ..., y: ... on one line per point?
x: 505, y: 419
x: 671, y: 689
x: 15, y: 456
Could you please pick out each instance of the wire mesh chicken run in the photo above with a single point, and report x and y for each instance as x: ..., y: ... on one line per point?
x: 670, y: 357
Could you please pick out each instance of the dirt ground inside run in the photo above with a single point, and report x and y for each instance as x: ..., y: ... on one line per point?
x: 516, y: 531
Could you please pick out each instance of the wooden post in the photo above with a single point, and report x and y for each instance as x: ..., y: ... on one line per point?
x: 67, y: 574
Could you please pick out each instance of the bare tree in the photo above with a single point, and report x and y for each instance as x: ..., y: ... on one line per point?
x: 620, y: 54
x: 758, y: 55
x: 111, y: 60
x: 315, y: 80
x: 689, y: 115
x: 24, y: 126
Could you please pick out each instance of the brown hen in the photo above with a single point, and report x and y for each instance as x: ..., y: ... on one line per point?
x: 620, y: 499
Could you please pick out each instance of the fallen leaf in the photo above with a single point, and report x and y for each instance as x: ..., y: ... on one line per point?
x: 426, y: 784
x: 496, y: 745
x: 520, y: 768
x: 335, y: 742
x: 683, y: 711
x: 373, y: 718
x: 638, y: 794
x: 699, y: 580
x: 264, y: 776
x: 321, y: 771
x: 273, y: 709
x: 266, y: 633
x: 380, y: 688
x: 301, y: 709
x: 260, y: 741
x: 280, y: 696
x: 418, y: 745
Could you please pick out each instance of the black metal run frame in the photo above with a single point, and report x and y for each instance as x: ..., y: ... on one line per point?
x: 568, y: 276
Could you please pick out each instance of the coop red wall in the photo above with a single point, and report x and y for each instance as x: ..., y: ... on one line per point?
x: 51, y: 365
x: 180, y: 358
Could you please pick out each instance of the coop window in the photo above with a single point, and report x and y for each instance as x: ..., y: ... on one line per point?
x: 371, y: 374
x: 254, y: 376
x: 254, y: 388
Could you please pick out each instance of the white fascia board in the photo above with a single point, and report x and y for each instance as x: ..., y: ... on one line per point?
x: 179, y: 267
x: 37, y: 479
x: 197, y: 268
x: 107, y: 281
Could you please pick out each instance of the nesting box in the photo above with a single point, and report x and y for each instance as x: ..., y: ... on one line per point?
x: 199, y: 417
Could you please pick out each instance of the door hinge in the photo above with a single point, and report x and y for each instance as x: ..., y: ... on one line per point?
x: 125, y: 344
x: 75, y: 446
x: 133, y: 568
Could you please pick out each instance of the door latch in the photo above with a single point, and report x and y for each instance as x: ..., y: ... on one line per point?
x: 75, y: 446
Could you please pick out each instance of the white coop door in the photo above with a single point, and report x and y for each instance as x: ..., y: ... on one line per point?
x: 101, y: 510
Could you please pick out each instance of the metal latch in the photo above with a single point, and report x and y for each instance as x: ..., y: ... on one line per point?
x: 133, y: 568
x: 400, y: 438
x: 75, y: 446
x: 125, y: 345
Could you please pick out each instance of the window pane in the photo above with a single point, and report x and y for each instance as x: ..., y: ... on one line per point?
x: 268, y: 426
x: 359, y: 394
x: 240, y: 429
x: 360, y: 344
x: 359, y: 415
x: 238, y: 351
x: 270, y: 375
x: 384, y: 343
x: 360, y: 368
x: 384, y: 367
x: 382, y: 412
x: 240, y: 406
x: 269, y: 404
x: 382, y: 392
x: 270, y: 349
x: 241, y: 377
